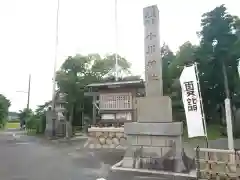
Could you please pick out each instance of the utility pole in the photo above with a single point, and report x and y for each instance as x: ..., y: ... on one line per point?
x: 28, y: 94
x: 54, y: 70
x: 56, y: 56
x: 29, y: 90
x: 116, y: 42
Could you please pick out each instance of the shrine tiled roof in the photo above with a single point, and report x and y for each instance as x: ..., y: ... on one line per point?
x: 117, y: 83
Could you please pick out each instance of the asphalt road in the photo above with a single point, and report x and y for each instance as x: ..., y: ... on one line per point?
x: 30, y: 158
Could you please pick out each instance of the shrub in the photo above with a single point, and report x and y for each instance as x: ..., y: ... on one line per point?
x: 36, y: 123
x: 31, y: 123
x: 2, y: 123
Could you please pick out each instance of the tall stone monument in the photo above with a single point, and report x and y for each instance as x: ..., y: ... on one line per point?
x: 154, y: 141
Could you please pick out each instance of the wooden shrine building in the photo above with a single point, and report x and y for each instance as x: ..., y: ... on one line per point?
x: 114, y: 102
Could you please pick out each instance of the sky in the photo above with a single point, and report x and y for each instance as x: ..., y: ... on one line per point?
x: 28, y: 31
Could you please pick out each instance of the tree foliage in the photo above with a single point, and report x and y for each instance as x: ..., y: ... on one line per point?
x: 34, y: 121
x: 218, y: 55
x: 4, y: 105
x: 78, y: 71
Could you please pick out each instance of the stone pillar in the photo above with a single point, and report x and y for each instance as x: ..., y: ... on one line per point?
x: 153, y: 62
x: 50, y: 123
x: 154, y: 140
x: 94, y: 111
x: 154, y: 108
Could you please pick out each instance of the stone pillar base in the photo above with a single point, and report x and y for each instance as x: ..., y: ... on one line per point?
x: 156, y: 146
x: 181, y: 165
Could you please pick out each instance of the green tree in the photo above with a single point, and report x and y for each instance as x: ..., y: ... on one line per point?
x: 184, y: 55
x: 217, y: 57
x: 24, y: 115
x: 106, y: 65
x: 4, y: 105
x: 78, y: 71
x: 172, y: 68
x: 40, y: 117
x: 168, y: 58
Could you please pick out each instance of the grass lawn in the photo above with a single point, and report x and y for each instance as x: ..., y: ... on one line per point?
x: 11, y: 125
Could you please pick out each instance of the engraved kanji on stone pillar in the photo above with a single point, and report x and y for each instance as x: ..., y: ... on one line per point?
x: 153, y: 62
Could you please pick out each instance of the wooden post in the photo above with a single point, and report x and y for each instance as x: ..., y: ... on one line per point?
x: 197, y: 160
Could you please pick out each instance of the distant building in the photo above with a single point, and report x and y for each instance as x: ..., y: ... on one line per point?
x: 114, y: 102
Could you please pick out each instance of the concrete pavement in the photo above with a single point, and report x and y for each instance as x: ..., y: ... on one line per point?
x: 31, y: 158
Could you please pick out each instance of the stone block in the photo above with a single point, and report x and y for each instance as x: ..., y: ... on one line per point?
x: 132, y: 140
x: 112, y: 134
x: 120, y: 147
x: 154, y: 109
x: 165, y: 150
x: 178, y: 144
x: 119, y: 134
x: 105, y: 146
x: 112, y: 146
x: 129, y: 152
x: 144, y: 140
x: 97, y: 134
x: 137, y: 163
x: 158, y: 141
x: 115, y: 141
x: 157, y: 129
x: 102, y: 140
x: 163, y: 141
x: 123, y: 141
x: 105, y: 129
x: 127, y: 162
x: 151, y: 152
x: 109, y: 141
x: 146, y: 161
x: 105, y: 134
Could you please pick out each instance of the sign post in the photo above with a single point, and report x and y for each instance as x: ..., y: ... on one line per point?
x: 228, y: 113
